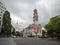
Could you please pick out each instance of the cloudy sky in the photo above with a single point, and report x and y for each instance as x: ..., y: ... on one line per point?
x: 22, y: 11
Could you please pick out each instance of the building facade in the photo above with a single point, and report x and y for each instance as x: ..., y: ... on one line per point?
x: 2, y: 10
x: 35, y: 28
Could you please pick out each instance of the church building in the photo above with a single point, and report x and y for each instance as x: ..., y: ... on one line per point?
x: 35, y: 28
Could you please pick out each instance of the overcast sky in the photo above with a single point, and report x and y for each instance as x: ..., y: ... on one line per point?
x: 22, y: 11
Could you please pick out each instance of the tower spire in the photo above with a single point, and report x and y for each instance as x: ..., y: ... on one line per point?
x: 35, y: 16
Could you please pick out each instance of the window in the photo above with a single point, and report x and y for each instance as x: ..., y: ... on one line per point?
x: 0, y: 14
x: 0, y: 17
x: 0, y: 22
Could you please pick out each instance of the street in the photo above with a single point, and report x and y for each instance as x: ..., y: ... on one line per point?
x: 7, y: 41
x: 28, y: 41
x: 36, y: 41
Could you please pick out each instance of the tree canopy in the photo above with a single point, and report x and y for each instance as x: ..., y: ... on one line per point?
x: 6, y: 26
x: 53, y: 27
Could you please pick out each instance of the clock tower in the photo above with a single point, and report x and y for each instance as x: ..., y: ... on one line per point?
x: 37, y: 26
x: 35, y: 17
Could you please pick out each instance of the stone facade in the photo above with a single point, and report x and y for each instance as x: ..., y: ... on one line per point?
x: 30, y: 30
x: 2, y: 10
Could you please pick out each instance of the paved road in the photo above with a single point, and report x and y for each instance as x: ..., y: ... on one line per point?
x: 7, y: 41
x: 28, y: 41
x: 36, y: 41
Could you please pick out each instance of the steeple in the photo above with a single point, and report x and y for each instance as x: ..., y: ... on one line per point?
x: 35, y: 10
x: 35, y: 16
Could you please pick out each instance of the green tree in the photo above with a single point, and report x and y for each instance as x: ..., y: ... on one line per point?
x: 53, y: 27
x: 6, y: 26
x: 43, y: 33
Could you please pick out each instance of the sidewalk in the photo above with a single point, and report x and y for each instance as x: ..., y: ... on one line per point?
x: 7, y: 41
